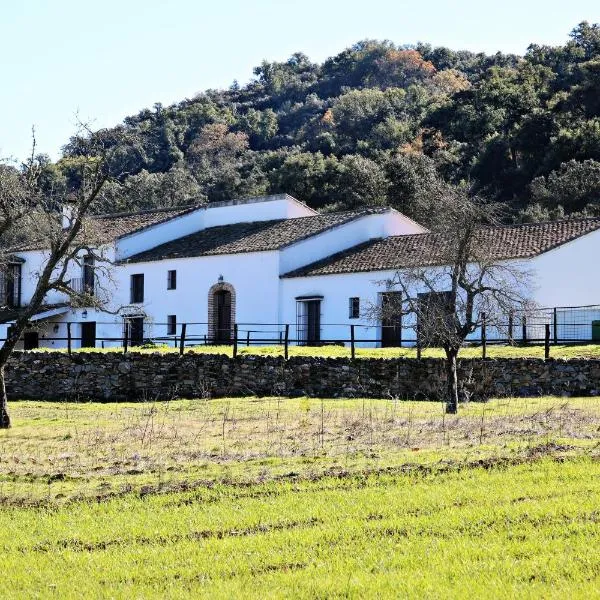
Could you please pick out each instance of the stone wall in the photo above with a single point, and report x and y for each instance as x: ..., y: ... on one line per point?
x: 112, y: 376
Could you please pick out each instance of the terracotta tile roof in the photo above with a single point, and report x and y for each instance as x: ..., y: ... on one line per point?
x: 427, y: 249
x: 122, y: 224
x: 117, y: 225
x: 256, y: 236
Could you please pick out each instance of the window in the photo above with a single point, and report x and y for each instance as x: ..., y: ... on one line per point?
x: 137, y: 288
x: 353, y: 308
x: 171, y: 280
x: 88, y: 274
x: 171, y: 324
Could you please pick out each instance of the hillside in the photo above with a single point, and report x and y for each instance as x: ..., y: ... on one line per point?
x: 377, y: 122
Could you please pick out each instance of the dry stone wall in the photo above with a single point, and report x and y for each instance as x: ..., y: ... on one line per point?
x: 112, y: 377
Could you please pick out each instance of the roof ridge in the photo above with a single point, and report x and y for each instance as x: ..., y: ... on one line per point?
x: 507, y: 226
x: 147, y: 211
x: 257, y: 199
x: 538, y: 223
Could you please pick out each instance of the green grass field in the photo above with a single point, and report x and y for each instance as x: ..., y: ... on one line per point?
x: 269, y: 497
x: 493, y: 351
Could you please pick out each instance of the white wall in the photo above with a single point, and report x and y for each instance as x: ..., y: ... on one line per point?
x: 35, y: 261
x: 336, y: 290
x: 30, y: 269
x: 254, y: 276
x: 568, y: 275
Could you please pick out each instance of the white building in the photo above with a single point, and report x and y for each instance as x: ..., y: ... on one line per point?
x: 266, y: 262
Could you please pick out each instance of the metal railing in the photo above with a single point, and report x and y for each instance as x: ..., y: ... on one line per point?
x: 82, y: 286
x: 548, y: 326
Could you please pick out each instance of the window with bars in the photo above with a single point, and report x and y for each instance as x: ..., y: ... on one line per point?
x: 353, y: 308
x: 137, y: 288
x: 171, y: 324
x: 172, y: 280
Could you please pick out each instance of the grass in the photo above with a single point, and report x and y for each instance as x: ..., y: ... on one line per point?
x: 308, y: 498
x: 493, y: 351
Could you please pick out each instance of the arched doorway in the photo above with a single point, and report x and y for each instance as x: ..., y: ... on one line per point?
x: 221, y: 313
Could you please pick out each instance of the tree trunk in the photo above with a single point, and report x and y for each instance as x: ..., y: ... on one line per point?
x: 4, y: 416
x: 452, y: 383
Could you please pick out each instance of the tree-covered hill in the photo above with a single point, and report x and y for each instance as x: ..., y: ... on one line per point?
x: 376, y: 123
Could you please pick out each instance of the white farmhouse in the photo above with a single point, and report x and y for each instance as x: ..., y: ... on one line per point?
x: 264, y: 263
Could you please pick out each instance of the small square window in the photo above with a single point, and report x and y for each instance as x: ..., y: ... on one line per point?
x: 171, y: 280
x: 171, y: 324
x: 353, y: 308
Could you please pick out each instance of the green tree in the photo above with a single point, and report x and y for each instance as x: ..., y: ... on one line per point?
x: 575, y: 186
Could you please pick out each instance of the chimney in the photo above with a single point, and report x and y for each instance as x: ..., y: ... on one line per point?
x: 68, y: 213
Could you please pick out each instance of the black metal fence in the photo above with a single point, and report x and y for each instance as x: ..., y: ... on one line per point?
x: 547, y: 326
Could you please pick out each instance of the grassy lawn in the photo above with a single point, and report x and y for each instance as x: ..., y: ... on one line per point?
x: 493, y: 351
x: 309, y: 498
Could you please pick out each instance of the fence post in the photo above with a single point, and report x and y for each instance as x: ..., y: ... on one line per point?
x: 69, y: 337
x: 248, y: 338
x: 352, y: 349
x: 555, y: 326
x: 125, y: 337
x: 182, y: 339
x: 483, y: 336
x: 510, y: 327
x: 547, y: 341
x: 235, y: 339
x: 524, y: 328
x: 286, y: 341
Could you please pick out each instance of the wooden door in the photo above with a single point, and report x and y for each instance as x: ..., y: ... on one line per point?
x: 136, y: 331
x: 223, y: 317
x: 88, y: 334
x: 31, y: 340
x: 391, y: 320
x: 313, y: 322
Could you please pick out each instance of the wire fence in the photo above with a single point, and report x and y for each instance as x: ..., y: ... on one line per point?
x: 545, y: 326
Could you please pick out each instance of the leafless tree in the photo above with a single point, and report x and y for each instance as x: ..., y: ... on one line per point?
x: 458, y: 278
x: 31, y: 215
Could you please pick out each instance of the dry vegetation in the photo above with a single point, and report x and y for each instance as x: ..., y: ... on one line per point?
x: 62, y: 451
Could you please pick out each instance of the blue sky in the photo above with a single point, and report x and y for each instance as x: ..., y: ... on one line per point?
x: 107, y: 59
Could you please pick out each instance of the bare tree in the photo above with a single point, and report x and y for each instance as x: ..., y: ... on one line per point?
x: 31, y: 215
x: 458, y: 278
